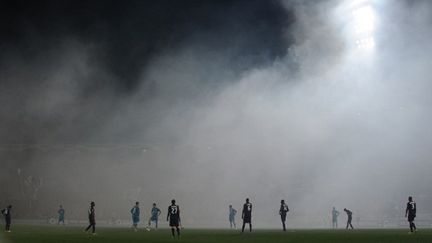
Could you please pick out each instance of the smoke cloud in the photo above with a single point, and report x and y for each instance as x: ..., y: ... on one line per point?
x: 262, y: 102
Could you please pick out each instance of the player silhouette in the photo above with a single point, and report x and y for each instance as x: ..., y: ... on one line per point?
x: 335, y: 215
x: 92, y: 218
x: 231, y: 216
x: 174, y: 218
x: 8, y: 217
x: 410, y: 212
x: 61, y: 215
x: 247, y: 215
x: 283, y: 213
x: 349, y: 214
x: 135, y: 212
x: 155, y: 212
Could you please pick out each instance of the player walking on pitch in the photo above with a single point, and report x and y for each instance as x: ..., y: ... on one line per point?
x: 335, y: 215
x: 173, y: 217
x: 155, y: 212
x: 135, y: 211
x: 232, y: 213
x: 247, y: 215
x: 349, y: 214
x: 61, y: 214
x: 283, y: 213
x: 410, y: 212
x: 92, y: 218
x: 8, y: 217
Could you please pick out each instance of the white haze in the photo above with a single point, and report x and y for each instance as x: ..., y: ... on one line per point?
x: 347, y: 129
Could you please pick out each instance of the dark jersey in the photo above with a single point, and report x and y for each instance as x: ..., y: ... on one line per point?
x: 349, y: 213
x: 7, y: 213
x: 173, y: 211
x: 283, y: 209
x: 247, y: 210
x: 411, y: 208
x: 91, y: 214
x: 174, y: 215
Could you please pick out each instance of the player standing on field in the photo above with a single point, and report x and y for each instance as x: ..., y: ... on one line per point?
x: 232, y: 213
x: 135, y: 211
x: 92, y: 218
x: 8, y: 217
x: 61, y: 214
x: 155, y: 212
x: 247, y: 215
x: 283, y: 213
x: 349, y: 214
x: 410, y: 212
x: 174, y: 218
x: 335, y: 215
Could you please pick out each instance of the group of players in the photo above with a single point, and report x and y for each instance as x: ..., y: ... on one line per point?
x: 173, y: 216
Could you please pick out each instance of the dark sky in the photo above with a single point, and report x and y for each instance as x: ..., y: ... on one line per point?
x: 130, y: 32
x: 124, y: 36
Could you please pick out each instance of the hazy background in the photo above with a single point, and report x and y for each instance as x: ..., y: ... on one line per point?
x: 210, y: 102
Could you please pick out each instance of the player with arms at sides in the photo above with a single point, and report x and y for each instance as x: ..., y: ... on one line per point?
x: 283, y: 213
x: 231, y: 216
x: 92, y: 218
x: 247, y: 215
x: 135, y: 211
x: 349, y: 214
x: 335, y: 215
x: 173, y: 217
x: 61, y: 215
x: 410, y: 212
x: 8, y: 217
x: 155, y: 212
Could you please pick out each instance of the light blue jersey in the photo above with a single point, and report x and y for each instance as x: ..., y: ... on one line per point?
x: 155, y: 213
x: 135, y: 211
x: 232, y: 213
x: 335, y: 215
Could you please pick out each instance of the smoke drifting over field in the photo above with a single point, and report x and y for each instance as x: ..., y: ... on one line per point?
x: 215, y: 103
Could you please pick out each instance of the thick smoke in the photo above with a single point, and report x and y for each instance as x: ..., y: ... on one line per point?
x: 216, y: 118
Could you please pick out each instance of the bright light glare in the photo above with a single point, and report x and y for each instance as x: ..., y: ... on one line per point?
x: 364, y: 19
x: 366, y: 43
x: 360, y: 22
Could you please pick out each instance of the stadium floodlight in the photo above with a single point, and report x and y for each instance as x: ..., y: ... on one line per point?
x: 364, y: 19
x: 359, y: 20
x: 365, y: 43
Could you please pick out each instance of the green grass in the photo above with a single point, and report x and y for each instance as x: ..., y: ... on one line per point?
x: 50, y: 234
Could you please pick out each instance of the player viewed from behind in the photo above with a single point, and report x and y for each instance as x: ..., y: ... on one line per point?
x: 135, y: 211
x: 173, y: 217
x: 283, y: 213
x: 247, y: 215
x: 92, y: 218
x: 410, y: 212
x: 232, y: 213
x: 155, y: 212
x: 8, y: 217
x: 349, y: 214
x: 335, y: 215
x: 61, y: 215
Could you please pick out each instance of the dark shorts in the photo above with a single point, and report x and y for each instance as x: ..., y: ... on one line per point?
x: 174, y: 221
x: 411, y: 218
x: 247, y: 219
x: 92, y: 221
x: 283, y: 218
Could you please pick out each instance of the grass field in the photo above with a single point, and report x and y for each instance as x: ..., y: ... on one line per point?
x: 49, y: 234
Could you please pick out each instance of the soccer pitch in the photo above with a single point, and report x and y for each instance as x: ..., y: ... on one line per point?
x: 49, y: 234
